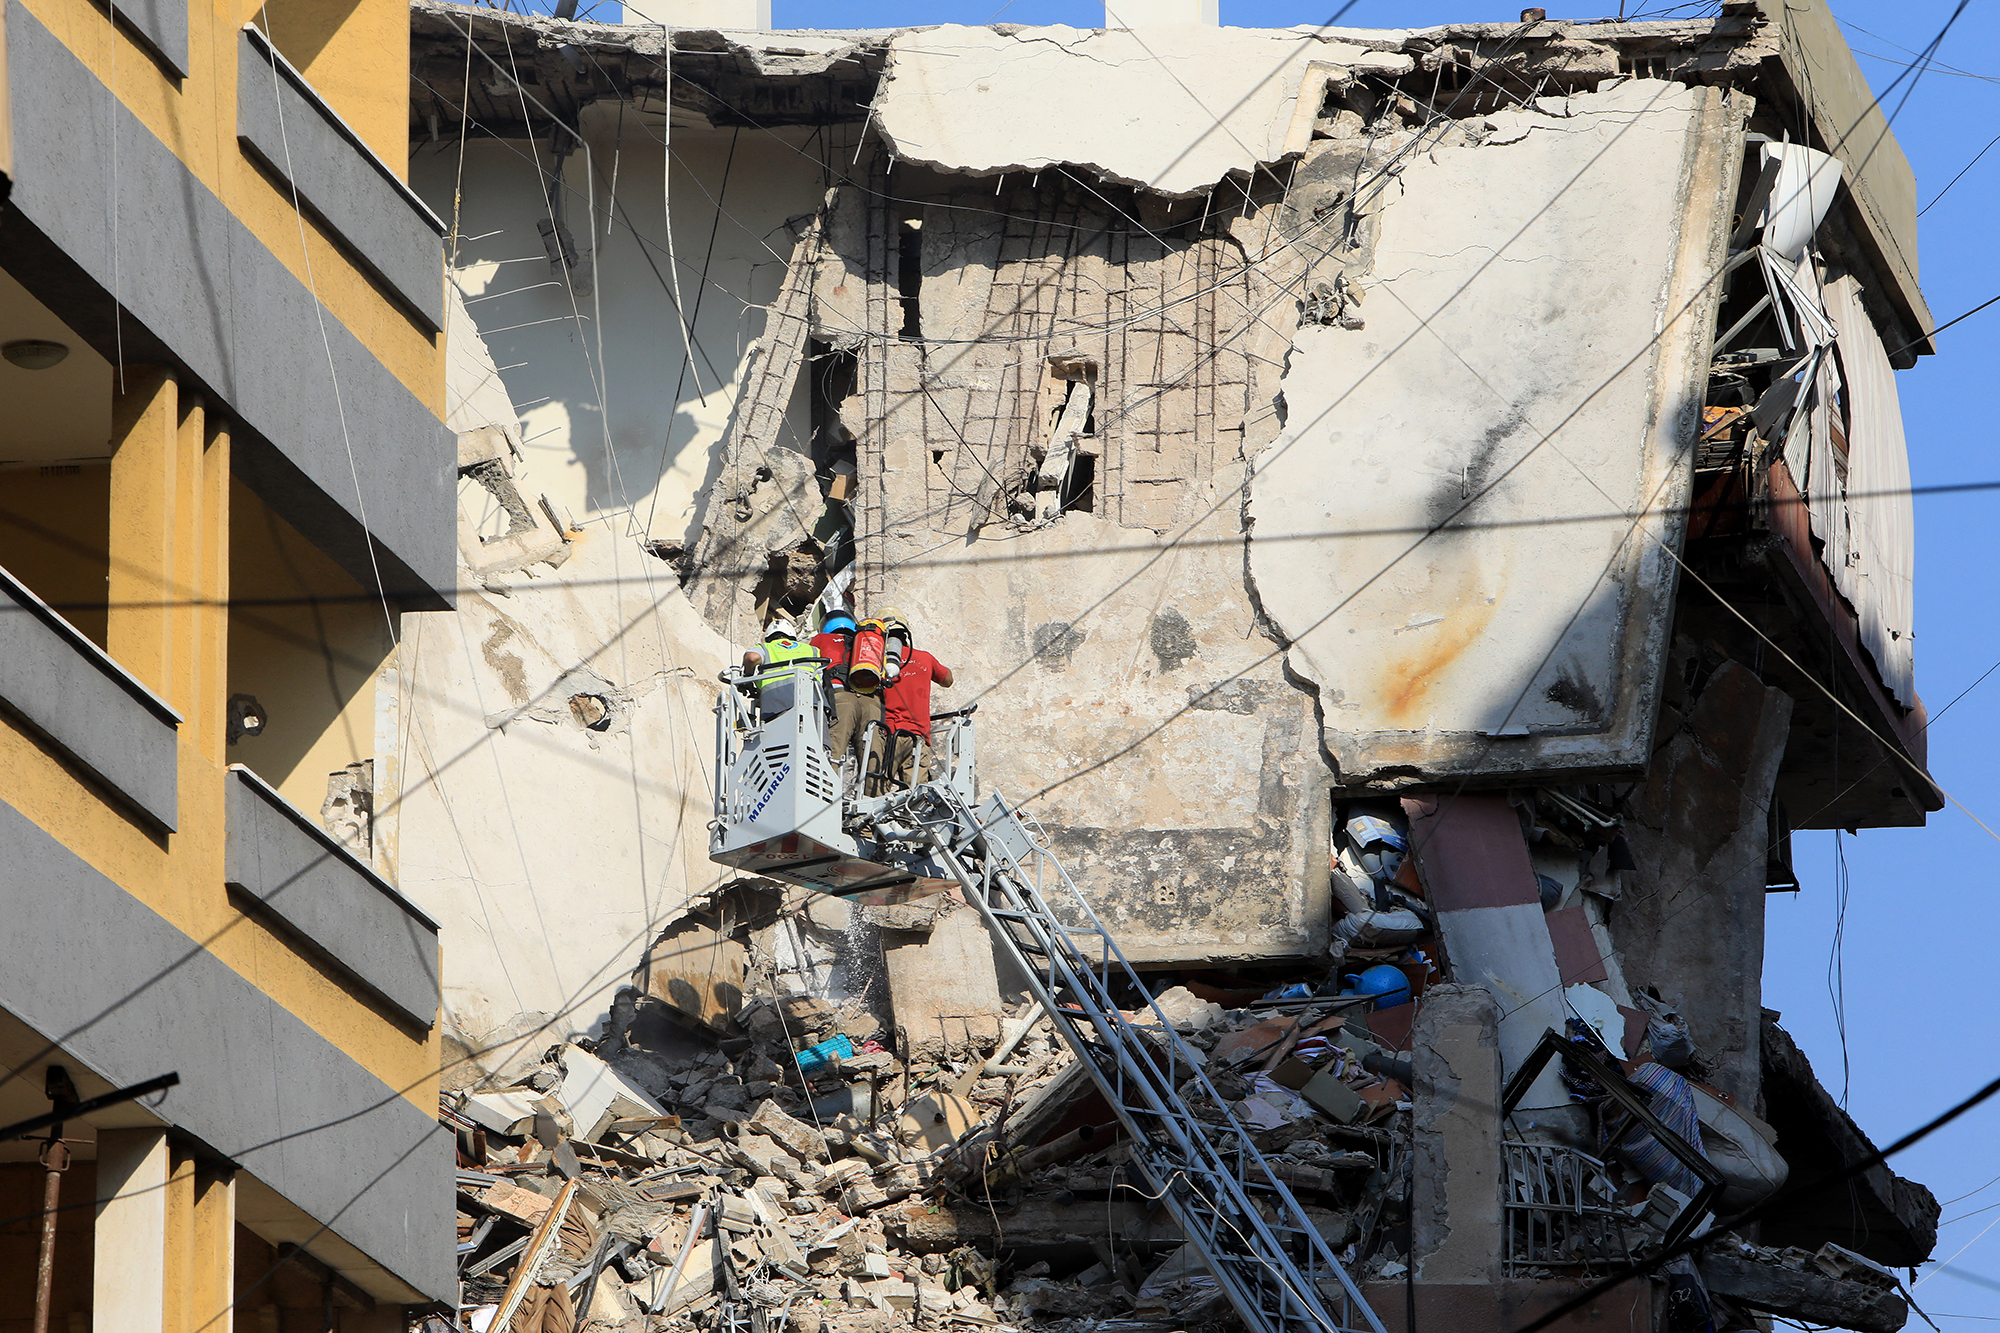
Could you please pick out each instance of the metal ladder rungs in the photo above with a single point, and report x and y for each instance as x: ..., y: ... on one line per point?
x: 1275, y: 1271
x: 1034, y: 922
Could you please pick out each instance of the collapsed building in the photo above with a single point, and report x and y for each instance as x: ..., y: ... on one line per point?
x: 1431, y: 501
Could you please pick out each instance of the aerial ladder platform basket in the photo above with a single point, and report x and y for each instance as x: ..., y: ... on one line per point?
x: 781, y: 812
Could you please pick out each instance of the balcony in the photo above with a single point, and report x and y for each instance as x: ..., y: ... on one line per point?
x: 95, y: 712
x: 283, y: 867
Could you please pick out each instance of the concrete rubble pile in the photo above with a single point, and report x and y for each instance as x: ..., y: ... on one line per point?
x: 1440, y: 831
x: 797, y: 1171
x: 799, y: 1160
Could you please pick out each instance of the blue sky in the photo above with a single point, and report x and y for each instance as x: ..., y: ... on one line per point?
x: 1921, y: 984
x: 1922, y: 925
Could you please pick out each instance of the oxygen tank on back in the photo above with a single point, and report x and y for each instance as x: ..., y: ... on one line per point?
x: 897, y: 642
x: 895, y: 647
x: 866, y: 670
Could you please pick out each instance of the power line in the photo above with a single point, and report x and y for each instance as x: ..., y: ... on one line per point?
x: 545, y: 583
x: 1632, y: 518
x: 1947, y: 324
x: 1961, y: 172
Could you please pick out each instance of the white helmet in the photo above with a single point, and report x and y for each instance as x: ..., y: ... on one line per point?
x: 780, y: 628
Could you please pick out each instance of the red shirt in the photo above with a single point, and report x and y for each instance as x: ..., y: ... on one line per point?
x: 906, y: 703
x: 834, y: 648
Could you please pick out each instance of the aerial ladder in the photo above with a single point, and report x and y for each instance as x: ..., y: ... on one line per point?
x: 783, y: 812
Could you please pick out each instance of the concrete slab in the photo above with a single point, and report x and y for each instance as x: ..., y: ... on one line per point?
x: 985, y: 100
x: 943, y: 986
x: 1461, y: 622
x: 1507, y: 951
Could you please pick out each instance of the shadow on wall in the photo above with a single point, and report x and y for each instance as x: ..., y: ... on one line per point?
x: 305, y: 641
x: 593, y: 354
x: 302, y: 28
x: 698, y: 970
x: 55, y: 537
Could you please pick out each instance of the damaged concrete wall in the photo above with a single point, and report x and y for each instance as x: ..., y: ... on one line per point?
x: 988, y: 100
x: 616, y: 417
x: 1690, y: 920
x: 1441, y: 529
x: 551, y: 741
x: 556, y: 784
x: 1174, y: 661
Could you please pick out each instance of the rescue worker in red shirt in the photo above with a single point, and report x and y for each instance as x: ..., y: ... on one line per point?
x: 852, y: 712
x: 906, y: 703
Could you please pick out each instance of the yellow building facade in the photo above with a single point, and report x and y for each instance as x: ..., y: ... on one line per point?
x: 223, y: 476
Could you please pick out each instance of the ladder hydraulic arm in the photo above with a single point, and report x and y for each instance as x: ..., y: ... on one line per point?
x: 783, y: 810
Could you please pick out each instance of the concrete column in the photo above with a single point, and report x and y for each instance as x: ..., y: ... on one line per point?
x: 943, y: 986
x: 180, y: 1250
x: 185, y: 494
x: 1691, y: 919
x: 211, y: 1300
x: 129, y: 1292
x: 1455, y: 1197
x: 146, y: 448
x: 207, y: 704
x: 1160, y: 13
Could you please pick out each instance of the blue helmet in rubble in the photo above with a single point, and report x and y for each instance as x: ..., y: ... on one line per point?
x: 1387, y: 984
x: 838, y: 622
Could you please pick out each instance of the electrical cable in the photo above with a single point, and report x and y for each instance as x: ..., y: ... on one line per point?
x: 1947, y: 324
x: 326, y: 341
x: 1954, y: 1221
x: 1939, y: 65
x: 707, y: 260
x: 1836, y: 961
x: 1969, y: 1193
x: 645, y: 245
x: 1899, y: 1145
x: 1961, y: 173
x: 540, y: 585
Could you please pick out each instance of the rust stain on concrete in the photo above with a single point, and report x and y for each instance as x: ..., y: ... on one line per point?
x: 1407, y: 685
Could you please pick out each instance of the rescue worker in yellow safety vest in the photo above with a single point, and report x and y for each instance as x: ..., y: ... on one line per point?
x: 772, y: 662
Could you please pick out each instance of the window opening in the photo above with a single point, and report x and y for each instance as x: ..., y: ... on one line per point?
x: 1079, y: 491
x: 1071, y: 390
x: 910, y: 275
